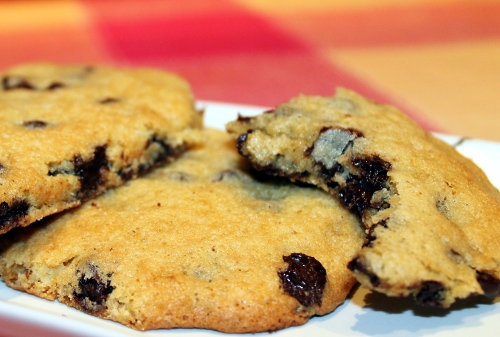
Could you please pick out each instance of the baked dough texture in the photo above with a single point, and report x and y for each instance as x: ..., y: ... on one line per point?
x: 199, y: 243
x: 71, y: 132
x: 431, y: 215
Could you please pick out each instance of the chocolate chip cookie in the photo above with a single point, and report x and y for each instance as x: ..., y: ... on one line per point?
x: 71, y: 132
x: 201, y: 242
x: 431, y: 215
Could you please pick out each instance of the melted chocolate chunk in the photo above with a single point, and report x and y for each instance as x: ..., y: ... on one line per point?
x: 304, y: 279
x: 359, y: 189
x: 10, y: 83
x: 10, y: 214
x: 489, y: 284
x: 356, y: 265
x: 355, y: 197
x: 373, y: 170
x: 90, y: 172
x: 93, y: 291
x: 35, y: 124
x: 430, y: 294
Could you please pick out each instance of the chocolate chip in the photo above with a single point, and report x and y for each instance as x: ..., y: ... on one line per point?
x: 126, y: 173
x: 328, y: 174
x: 180, y: 176
x: 265, y: 172
x: 304, y: 279
x: 89, y: 69
x: 162, y: 152
x: 243, y: 119
x: 10, y: 214
x: 443, y: 207
x: 108, y: 100
x: 356, y: 132
x: 430, y: 294
x: 356, y: 265
x: 490, y: 284
x: 242, y: 139
x: 268, y: 170
x: 330, y: 144
x: 90, y: 172
x: 55, y: 85
x: 34, y: 124
x: 359, y: 189
x: 93, y: 290
x: 370, y: 237
x: 166, y: 152
x: 11, y: 83
x: 344, y: 104
x: 227, y: 174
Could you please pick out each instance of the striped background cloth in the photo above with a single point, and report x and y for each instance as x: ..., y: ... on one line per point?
x: 438, y: 60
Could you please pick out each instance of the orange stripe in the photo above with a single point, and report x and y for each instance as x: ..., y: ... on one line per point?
x: 397, y: 25
x: 65, y: 45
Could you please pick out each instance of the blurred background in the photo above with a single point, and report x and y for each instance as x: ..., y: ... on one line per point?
x: 437, y: 60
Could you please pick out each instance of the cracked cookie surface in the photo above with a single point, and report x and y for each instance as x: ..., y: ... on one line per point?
x: 200, y: 243
x: 71, y: 132
x: 431, y: 215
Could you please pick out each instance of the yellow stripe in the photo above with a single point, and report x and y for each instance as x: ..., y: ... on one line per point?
x: 28, y: 15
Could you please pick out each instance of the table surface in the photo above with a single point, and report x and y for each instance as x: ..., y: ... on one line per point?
x: 437, y: 60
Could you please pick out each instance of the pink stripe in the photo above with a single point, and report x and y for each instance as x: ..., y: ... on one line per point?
x: 233, y: 32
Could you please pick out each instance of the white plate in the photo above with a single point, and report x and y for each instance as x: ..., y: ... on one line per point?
x: 363, y: 314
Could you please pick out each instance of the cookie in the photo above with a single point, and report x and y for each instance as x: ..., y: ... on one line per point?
x: 431, y: 215
x: 71, y: 132
x: 199, y: 243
